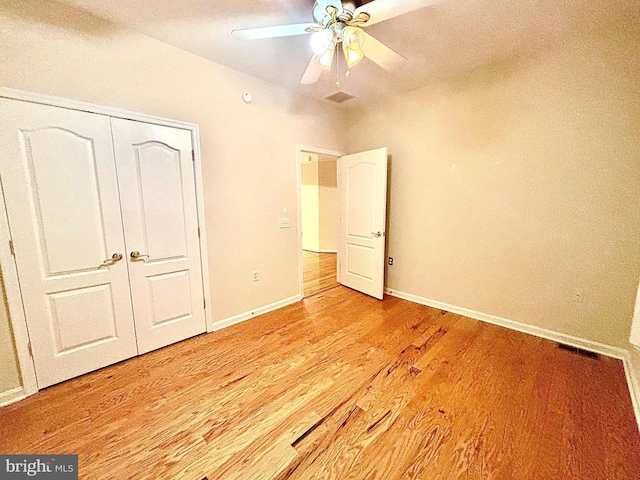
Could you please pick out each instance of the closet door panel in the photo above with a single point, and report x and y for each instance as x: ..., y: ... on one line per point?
x: 156, y: 179
x: 59, y: 179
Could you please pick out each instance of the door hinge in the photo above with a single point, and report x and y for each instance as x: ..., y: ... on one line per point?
x: 11, y: 249
x: 193, y: 155
x: 198, y: 232
x: 204, y: 302
x: 30, y: 349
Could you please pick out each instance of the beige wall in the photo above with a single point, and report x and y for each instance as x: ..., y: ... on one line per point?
x: 515, y: 191
x: 329, y: 202
x: 319, y: 201
x: 309, y: 204
x: 248, y: 151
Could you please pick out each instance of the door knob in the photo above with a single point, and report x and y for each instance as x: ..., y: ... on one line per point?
x: 110, y: 261
x: 135, y: 255
x: 376, y: 234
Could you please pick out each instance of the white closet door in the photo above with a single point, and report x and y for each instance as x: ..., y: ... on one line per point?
x: 59, y: 179
x: 157, y: 187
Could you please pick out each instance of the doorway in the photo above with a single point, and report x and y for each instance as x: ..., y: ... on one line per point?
x: 319, y: 219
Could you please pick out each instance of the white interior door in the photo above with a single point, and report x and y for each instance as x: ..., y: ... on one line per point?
x: 157, y: 187
x: 61, y: 192
x: 362, y: 181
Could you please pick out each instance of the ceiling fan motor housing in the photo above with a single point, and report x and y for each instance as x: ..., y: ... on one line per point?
x: 331, y: 15
x: 337, y: 29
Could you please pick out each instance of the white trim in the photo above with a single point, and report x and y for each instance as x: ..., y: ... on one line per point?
x: 11, y: 396
x: 590, y: 345
x: 204, y: 251
x: 632, y: 383
x: 14, y: 296
x: 319, y: 251
x: 305, y: 148
x: 634, y: 336
x: 17, y: 317
x: 92, y: 108
x: 241, y: 317
x: 321, y: 151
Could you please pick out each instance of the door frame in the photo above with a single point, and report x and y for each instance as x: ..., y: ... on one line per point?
x: 321, y: 151
x: 634, y: 335
x: 17, y: 317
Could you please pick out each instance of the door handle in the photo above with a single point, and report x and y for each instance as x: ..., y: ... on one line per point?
x: 376, y: 234
x: 116, y: 257
x: 135, y: 255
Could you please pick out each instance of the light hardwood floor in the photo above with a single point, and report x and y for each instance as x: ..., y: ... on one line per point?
x: 318, y: 272
x: 342, y: 386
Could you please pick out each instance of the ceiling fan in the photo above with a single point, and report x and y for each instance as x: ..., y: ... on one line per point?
x: 336, y: 23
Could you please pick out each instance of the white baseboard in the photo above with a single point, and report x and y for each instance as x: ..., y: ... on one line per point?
x: 227, y: 322
x: 11, y: 396
x: 590, y: 345
x: 597, y: 347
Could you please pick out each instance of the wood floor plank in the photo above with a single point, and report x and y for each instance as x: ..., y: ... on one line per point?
x: 432, y: 410
x: 344, y: 386
x: 318, y: 272
x: 524, y: 406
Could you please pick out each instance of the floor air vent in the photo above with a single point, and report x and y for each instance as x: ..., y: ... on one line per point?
x: 579, y: 351
x: 339, y: 97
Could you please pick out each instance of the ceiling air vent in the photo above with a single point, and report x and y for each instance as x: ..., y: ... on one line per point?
x: 339, y: 97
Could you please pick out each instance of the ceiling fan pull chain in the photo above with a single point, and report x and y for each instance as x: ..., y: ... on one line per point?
x: 337, y: 71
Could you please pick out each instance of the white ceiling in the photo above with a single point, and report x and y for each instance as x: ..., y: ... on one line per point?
x: 439, y: 41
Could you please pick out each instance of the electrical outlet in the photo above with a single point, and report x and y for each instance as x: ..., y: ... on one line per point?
x: 390, y: 261
x: 285, y: 223
x: 255, y: 276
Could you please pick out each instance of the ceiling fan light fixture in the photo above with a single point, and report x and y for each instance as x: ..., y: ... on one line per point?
x: 351, y: 55
x: 353, y: 37
x: 321, y: 41
x: 326, y: 59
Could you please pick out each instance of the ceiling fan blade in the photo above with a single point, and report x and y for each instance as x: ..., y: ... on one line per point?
x: 270, y: 32
x: 380, y: 10
x: 312, y: 73
x: 379, y: 53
